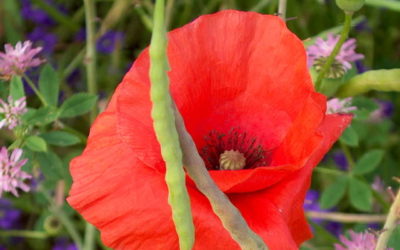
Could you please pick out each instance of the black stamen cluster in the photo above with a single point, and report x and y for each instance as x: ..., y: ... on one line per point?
x: 217, y: 143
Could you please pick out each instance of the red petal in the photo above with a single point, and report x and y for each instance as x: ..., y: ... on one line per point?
x: 288, y: 195
x: 230, y: 69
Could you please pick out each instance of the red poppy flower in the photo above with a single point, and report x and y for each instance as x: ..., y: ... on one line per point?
x: 240, y: 81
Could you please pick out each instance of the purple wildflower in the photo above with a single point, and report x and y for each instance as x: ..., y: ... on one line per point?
x: 109, y: 41
x: 358, y: 241
x: 9, y: 216
x: 12, y: 112
x: 11, y: 175
x: 63, y: 244
x: 340, y: 160
x: 378, y: 184
x: 38, y: 16
x: 385, y: 110
x: 321, y: 50
x: 336, y: 105
x: 46, y: 40
x: 16, y: 61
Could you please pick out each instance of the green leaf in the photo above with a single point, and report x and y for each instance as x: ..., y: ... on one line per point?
x: 49, y: 85
x: 35, y: 143
x: 77, y: 104
x: 16, y: 88
x: 334, y: 193
x: 394, y: 240
x: 60, y: 138
x: 50, y: 165
x: 362, y: 102
x: 368, y: 162
x: 349, y: 137
x: 41, y: 116
x: 360, y: 195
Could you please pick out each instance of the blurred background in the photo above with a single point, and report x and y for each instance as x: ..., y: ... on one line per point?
x: 124, y: 29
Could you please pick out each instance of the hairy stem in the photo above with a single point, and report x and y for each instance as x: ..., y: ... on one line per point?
x: 164, y: 126
x: 335, y: 51
x: 230, y: 216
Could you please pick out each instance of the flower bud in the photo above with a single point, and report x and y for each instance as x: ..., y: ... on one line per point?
x: 350, y: 5
x: 52, y: 225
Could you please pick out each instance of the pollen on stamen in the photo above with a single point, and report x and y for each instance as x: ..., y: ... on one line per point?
x: 232, y: 151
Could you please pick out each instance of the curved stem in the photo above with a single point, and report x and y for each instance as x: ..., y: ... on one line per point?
x: 166, y: 133
x: 390, y: 224
x: 33, y: 87
x: 335, y: 51
x: 229, y: 215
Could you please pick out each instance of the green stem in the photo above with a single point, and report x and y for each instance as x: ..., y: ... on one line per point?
x: 390, y: 224
x: 90, y: 237
x: 260, y: 5
x: 336, y: 50
x: 33, y: 87
x: 73, y: 64
x: 230, y: 216
x: 91, y: 57
x: 24, y: 234
x: 169, y: 13
x: 329, y: 171
x: 282, y: 9
x: 167, y: 135
x: 65, y: 220
x: 90, y: 19
x: 348, y: 155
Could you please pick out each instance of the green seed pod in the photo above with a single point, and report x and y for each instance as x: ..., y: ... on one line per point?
x: 350, y: 5
x: 167, y: 135
x: 381, y: 80
x: 52, y: 225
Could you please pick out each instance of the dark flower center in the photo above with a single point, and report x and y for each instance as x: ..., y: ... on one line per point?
x: 232, y: 151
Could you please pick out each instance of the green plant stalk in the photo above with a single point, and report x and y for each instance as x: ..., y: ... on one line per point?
x: 343, y: 36
x: 169, y: 13
x: 230, y: 216
x: 390, y: 224
x: 90, y: 237
x: 329, y: 171
x: 381, y: 80
x: 91, y: 57
x: 260, y: 5
x: 167, y: 135
x: 282, y: 9
x: 309, y: 41
x: 24, y: 234
x: 348, y: 155
x: 33, y: 87
x: 65, y: 220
